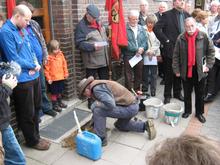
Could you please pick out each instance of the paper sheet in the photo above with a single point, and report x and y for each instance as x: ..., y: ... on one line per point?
x: 135, y: 60
x: 101, y: 43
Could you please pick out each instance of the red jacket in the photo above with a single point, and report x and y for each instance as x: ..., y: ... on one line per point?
x: 56, y: 67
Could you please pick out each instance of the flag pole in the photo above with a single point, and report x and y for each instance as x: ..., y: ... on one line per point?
x: 110, y: 52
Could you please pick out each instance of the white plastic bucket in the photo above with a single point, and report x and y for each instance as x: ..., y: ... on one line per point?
x: 152, y: 107
x: 172, y: 112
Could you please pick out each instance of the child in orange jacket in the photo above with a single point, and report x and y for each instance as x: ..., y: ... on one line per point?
x: 56, y: 72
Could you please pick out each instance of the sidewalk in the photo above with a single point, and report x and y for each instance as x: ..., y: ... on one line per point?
x: 129, y: 148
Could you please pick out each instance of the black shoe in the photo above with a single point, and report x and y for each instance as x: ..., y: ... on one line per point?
x: 201, y: 118
x: 185, y: 115
x: 153, y: 93
x: 104, y: 142
x: 56, y: 106
x: 51, y: 113
x: 209, y: 98
x: 166, y: 100
x: 179, y: 97
x: 62, y: 105
x: 162, y: 82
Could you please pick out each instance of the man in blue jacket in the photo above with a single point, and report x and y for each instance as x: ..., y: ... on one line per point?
x: 16, y: 47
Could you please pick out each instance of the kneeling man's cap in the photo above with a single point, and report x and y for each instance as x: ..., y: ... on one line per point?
x: 93, y: 11
x: 84, y: 83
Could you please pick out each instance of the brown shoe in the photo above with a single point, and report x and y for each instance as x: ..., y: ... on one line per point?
x: 41, y: 145
x: 45, y: 141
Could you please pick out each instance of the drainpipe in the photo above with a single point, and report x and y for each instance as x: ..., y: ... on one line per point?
x: 51, y: 19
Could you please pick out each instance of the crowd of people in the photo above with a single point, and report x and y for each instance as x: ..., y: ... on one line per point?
x: 179, y: 46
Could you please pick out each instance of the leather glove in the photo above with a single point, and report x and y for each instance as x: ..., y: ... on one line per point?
x: 9, y: 80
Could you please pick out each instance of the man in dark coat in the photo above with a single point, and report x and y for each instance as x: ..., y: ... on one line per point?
x: 167, y: 30
x: 193, y: 57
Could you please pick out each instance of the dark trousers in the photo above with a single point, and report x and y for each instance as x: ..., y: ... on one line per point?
x: 171, y: 81
x: 188, y: 85
x: 150, y: 77
x: 45, y: 102
x: 27, y: 98
x: 102, y: 73
x: 137, y: 71
x: 214, y: 78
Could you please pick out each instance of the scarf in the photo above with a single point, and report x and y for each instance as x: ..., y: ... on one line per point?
x: 95, y: 25
x: 191, y: 51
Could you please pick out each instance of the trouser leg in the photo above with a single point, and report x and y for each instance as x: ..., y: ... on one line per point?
x: 13, y: 152
x: 45, y: 103
x: 187, y: 89
x: 27, y: 110
x: 123, y: 113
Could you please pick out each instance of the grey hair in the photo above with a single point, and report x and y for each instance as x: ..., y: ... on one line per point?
x: 189, y: 19
x: 133, y: 13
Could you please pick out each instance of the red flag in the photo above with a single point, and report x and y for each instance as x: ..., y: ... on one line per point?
x: 10, y: 6
x: 117, y: 22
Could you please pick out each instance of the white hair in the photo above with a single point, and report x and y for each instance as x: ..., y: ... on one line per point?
x: 133, y: 13
x: 214, y: 3
x: 144, y: 2
x: 163, y: 4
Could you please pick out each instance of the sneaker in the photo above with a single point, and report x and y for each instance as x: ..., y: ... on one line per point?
x: 51, y: 113
x: 149, y: 127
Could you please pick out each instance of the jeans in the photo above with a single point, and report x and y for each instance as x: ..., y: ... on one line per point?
x: 122, y: 113
x: 150, y: 77
x: 13, y: 153
x: 46, y: 104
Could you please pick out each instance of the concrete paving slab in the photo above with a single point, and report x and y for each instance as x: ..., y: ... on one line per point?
x: 120, y: 154
x: 45, y: 157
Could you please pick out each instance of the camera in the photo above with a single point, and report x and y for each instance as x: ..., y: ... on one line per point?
x: 11, y: 68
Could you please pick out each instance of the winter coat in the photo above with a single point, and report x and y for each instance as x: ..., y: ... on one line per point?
x: 132, y: 47
x: 204, y: 52
x: 85, y: 38
x: 5, y: 110
x: 56, y: 67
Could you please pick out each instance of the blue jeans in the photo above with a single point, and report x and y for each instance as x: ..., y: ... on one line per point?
x: 124, y: 122
x: 13, y: 153
x: 45, y: 103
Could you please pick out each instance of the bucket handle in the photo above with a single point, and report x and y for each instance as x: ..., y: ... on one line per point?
x: 89, y: 134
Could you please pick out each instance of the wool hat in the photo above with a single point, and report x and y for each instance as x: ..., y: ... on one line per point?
x: 84, y: 83
x: 93, y: 11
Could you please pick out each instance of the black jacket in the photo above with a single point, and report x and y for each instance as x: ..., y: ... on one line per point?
x: 167, y: 28
x: 5, y: 110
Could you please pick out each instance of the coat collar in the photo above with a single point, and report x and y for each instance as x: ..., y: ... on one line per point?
x: 198, y: 37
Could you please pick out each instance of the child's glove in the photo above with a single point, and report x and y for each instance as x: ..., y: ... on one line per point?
x: 9, y: 80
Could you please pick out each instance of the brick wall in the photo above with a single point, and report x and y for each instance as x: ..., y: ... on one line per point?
x: 66, y: 14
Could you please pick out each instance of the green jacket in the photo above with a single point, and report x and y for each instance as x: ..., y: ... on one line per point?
x: 132, y: 47
x: 204, y: 52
